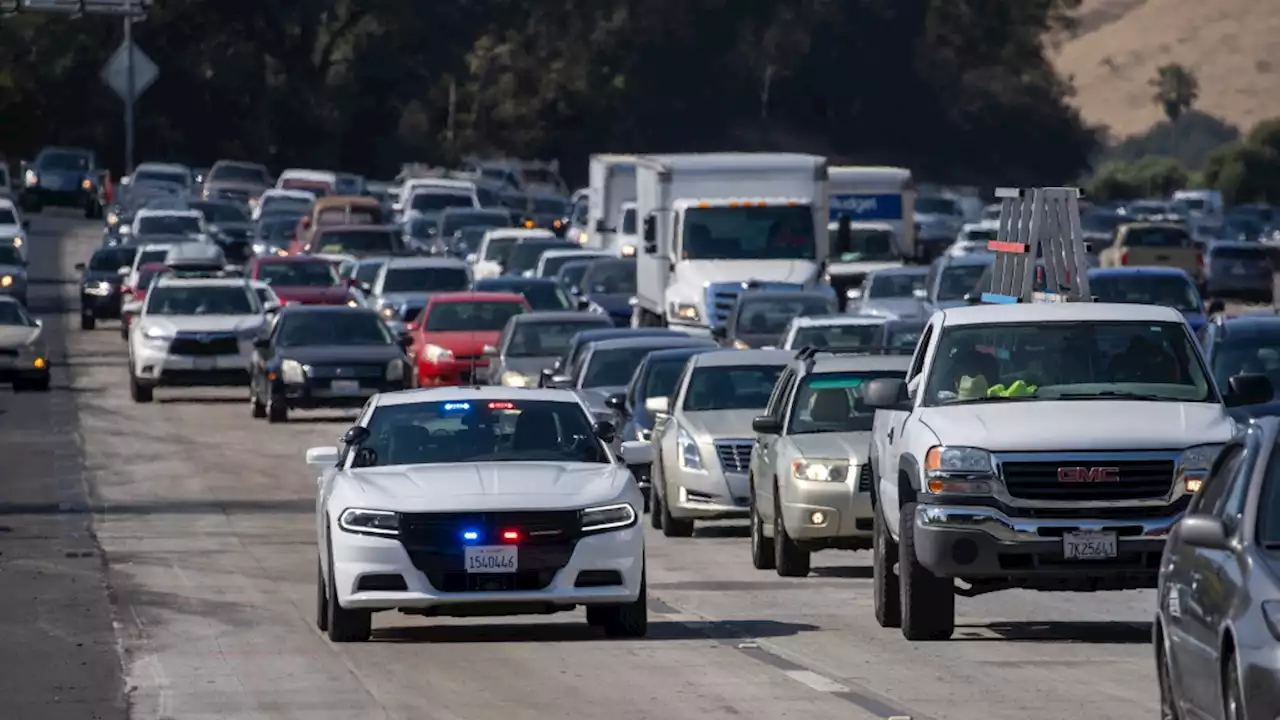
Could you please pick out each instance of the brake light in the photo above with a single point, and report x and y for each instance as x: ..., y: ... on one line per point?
x: 1200, y: 259
x: 511, y: 536
x: 1124, y: 257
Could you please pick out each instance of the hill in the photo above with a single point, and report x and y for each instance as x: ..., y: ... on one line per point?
x: 1233, y: 47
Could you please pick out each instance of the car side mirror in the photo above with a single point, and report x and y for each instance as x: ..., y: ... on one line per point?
x: 80, y: 267
x: 853, y: 294
x: 637, y: 452
x: 124, y: 270
x: 886, y: 394
x: 271, y: 307
x: 472, y: 258
x: 584, y: 302
x: 323, y: 456
x: 262, y: 342
x: 617, y: 401
x: 560, y: 382
x: 920, y: 294
x: 659, y: 404
x: 651, y: 235
x: 604, y: 430
x: 600, y: 226
x: 405, y: 340
x: 356, y: 435
x: 489, y: 351
x: 973, y: 298
x: 720, y: 333
x: 1248, y: 389
x: 364, y: 287
x: 397, y: 207
x: 39, y: 323
x: 766, y: 425
x: 1216, y: 306
x: 1203, y: 531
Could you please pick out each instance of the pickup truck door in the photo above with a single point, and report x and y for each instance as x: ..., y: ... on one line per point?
x: 890, y: 429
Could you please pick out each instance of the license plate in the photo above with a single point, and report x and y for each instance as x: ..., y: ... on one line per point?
x: 345, y: 387
x: 204, y: 363
x: 1239, y: 270
x: 1089, y: 545
x: 492, y: 559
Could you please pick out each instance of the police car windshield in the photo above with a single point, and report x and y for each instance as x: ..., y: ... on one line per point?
x: 832, y: 402
x: 1068, y: 361
x: 1174, y: 291
x: 201, y: 300
x: 301, y: 329
x: 739, y: 387
x: 838, y: 337
x: 472, y: 431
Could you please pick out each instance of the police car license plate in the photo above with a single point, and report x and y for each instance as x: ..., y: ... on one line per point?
x: 492, y: 559
x: 345, y: 387
x: 204, y: 363
x: 1089, y: 545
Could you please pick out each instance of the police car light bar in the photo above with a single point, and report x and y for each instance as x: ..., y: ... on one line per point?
x: 1038, y: 224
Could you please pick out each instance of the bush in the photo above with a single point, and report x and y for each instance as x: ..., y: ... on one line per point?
x: 1153, y: 176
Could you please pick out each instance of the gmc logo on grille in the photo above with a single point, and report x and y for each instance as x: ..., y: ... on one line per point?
x: 1088, y: 474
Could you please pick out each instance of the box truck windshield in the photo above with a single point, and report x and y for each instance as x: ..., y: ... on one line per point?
x: 749, y: 233
x: 866, y: 246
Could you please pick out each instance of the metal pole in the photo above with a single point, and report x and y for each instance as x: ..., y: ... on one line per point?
x: 128, y: 103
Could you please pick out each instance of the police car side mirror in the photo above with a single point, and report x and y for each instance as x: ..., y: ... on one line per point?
x: 886, y: 394
x: 1248, y: 389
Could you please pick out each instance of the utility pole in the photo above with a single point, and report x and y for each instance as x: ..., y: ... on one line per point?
x: 131, y: 94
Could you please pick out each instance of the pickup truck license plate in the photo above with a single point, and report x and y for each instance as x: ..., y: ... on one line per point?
x: 1089, y: 545
x: 345, y: 387
x: 204, y: 363
x: 492, y: 559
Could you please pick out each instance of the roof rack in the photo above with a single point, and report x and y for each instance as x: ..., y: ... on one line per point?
x: 192, y: 272
x: 808, y: 352
x: 1039, y: 223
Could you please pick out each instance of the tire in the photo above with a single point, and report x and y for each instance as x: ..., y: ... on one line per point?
x: 88, y: 322
x: 257, y: 409
x: 673, y: 527
x: 40, y: 384
x: 884, y: 555
x: 343, y: 625
x: 623, y: 621
x: 789, y: 559
x: 277, y: 412
x: 139, y: 392
x: 928, y: 601
x: 1168, y: 699
x: 322, y: 599
x: 656, y: 508
x: 1233, y: 707
x: 761, y: 547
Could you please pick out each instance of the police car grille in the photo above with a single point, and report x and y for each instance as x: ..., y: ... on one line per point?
x: 434, y: 542
x: 1136, y: 480
x: 735, y: 455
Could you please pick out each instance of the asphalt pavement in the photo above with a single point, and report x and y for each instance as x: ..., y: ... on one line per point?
x: 206, y: 518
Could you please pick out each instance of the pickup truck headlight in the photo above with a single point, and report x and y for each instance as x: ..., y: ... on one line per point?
x: 370, y: 522
x: 1193, y: 465
x: 292, y: 373
x: 959, y: 471
x: 608, y: 517
x: 690, y: 456
x: 685, y: 311
x: 820, y: 470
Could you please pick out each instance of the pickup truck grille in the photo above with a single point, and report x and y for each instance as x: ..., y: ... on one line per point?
x: 735, y: 455
x: 1144, y: 479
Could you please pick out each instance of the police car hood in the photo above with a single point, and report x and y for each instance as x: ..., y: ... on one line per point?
x: 202, y: 323
x: 1078, y: 425
x: 488, y: 486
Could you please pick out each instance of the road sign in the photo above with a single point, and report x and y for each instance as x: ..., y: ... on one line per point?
x: 116, y: 72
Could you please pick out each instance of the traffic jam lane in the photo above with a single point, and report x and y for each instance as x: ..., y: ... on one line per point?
x: 206, y: 520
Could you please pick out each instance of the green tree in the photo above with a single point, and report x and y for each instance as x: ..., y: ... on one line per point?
x: 1175, y: 90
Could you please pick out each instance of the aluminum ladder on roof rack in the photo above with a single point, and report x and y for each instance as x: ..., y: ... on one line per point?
x: 1039, y: 223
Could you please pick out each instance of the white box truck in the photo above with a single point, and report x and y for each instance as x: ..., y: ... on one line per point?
x: 716, y: 224
x: 878, y: 205
x: 612, y: 184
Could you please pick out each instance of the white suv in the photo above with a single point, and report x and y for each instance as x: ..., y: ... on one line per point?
x: 193, y: 332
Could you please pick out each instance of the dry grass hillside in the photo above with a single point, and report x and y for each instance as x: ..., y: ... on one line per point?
x: 1233, y: 47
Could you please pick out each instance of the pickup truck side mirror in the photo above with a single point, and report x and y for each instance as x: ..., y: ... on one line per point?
x: 600, y: 226
x: 1248, y: 389
x: 886, y: 394
x: 651, y: 235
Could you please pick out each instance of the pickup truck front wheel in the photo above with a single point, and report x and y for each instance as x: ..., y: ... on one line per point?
x: 884, y: 556
x: 928, y: 601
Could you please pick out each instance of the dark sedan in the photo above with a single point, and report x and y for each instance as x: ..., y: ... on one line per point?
x: 325, y: 357
x: 100, y: 284
x: 608, y: 286
x: 230, y: 226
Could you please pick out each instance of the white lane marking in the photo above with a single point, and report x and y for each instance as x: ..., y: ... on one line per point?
x: 816, y: 681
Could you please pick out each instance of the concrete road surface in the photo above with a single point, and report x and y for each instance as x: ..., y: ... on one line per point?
x: 205, y: 517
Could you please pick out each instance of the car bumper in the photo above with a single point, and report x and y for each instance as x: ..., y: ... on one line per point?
x: 975, y: 542
x: 356, y: 557
x: 100, y: 306
x: 323, y: 394
x: 76, y: 197
x: 15, y: 367
x: 708, y: 495
x: 16, y: 290
x: 448, y: 374
x: 155, y: 367
x: 841, y: 509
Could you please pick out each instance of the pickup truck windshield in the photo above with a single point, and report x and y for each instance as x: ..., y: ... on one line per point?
x: 1093, y: 360
x: 749, y: 233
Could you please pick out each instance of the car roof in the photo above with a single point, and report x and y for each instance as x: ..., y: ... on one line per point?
x: 169, y: 281
x: 472, y: 296
x: 326, y: 310
x: 513, y: 281
x: 550, y: 241
x: 426, y: 262
x: 327, y: 229
x: 608, y: 333
x: 679, y: 353
x: 990, y: 314
x: 463, y: 393
x: 151, y: 247
x: 904, y: 270
x: 648, y: 341
x: 167, y: 212
x: 1138, y: 270
x: 831, y: 363
x: 283, y: 259
x: 732, y: 358
x: 173, y: 167
x: 474, y: 211
x: 1249, y: 324
x: 838, y: 320
x: 560, y: 316
x: 576, y: 251
x: 289, y: 192
x: 498, y: 233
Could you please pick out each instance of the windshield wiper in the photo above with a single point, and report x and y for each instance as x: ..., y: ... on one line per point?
x: 1122, y: 394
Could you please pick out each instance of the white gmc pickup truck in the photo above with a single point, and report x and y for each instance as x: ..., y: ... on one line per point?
x: 1038, y: 446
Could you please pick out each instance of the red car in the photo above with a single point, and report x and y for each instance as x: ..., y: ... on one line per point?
x: 452, y: 330
x: 138, y: 293
x: 302, y: 280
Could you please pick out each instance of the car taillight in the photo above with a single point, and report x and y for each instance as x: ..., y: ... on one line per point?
x: 1200, y: 259
x: 126, y: 291
x: 1124, y: 257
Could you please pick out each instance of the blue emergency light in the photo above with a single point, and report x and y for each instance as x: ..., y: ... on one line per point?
x: 457, y: 407
x: 470, y: 535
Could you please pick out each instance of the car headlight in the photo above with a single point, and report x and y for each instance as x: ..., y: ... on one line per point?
x: 608, y: 517
x: 126, y: 230
x: 739, y: 345
x: 388, y: 312
x: 959, y: 470
x: 292, y: 372
x: 32, y: 178
x: 395, y: 370
x: 98, y: 288
x: 370, y: 522
x: 353, y: 303
x: 86, y: 184
x: 437, y: 354
x: 685, y: 311
x: 6, y: 280
x: 16, y: 240
x: 628, y: 251
x: 158, y: 336
x: 690, y: 456
x: 511, y: 378
x: 113, y: 219
x: 820, y: 469
x: 1193, y: 465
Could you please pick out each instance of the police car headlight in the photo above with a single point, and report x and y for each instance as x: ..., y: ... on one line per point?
x: 370, y: 522
x: 1193, y: 465
x: 395, y: 370
x: 608, y: 517
x: 820, y: 470
x: 292, y: 372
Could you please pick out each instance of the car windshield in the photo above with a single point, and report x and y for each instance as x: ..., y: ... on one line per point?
x: 1257, y: 353
x: 613, y: 367
x: 763, y: 315
x: 1101, y: 222
x: 238, y: 173
x: 112, y: 259
x: 345, y: 216
x: 283, y: 204
x: 469, y: 316
x: 11, y: 313
x: 425, y: 279
x: 551, y: 206
x: 1068, y: 361
x: 1242, y: 258
x: 201, y: 300
x: 571, y: 274
x: 152, y: 255
x: 745, y: 233
x: 8, y: 216
x: 1268, y: 525
x: 840, y: 337
x: 452, y: 221
x: 662, y: 377
x: 956, y: 281
x: 937, y: 206
x: 540, y: 295
x: 551, y: 265
x: 315, y: 187
x: 524, y: 256
x: 629, y: 221
x: 9, y: 255
x: 543, y: 339
x: 498, y: 249
x: 474, y: 431
x: 433, y: 201
x: 1175, y: 291
x: 64, y: 161
x: 1157, y: 237
x: 895, y: 285
x: 346, y: 242
x: 832, y: 402
x: 298, y: 274
x: 741, y: 387
x: 467, y: 240
x: 169, y: 176
x: 222, y: 212
x: 265, y: 295
x: 367, y: 272
x: 301, y: 329
x: 902, y: 337
x: 168, y: 225
x: 146, y: 276
x: 867, y: 245
x: 611, y: 277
